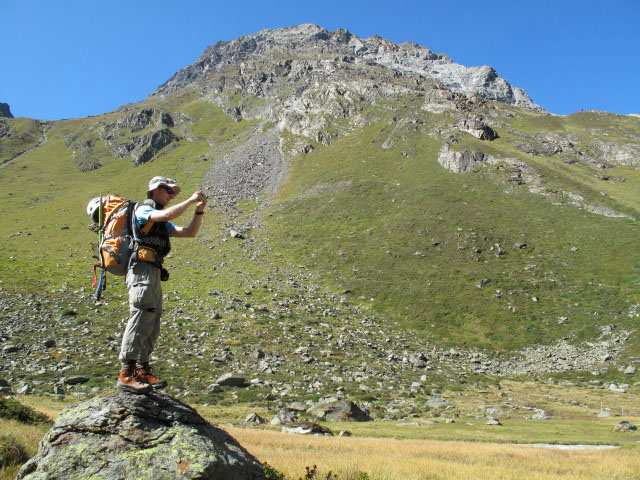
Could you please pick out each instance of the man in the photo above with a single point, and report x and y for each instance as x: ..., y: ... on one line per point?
x: 154, y: 227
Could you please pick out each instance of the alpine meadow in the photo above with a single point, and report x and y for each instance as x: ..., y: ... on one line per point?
x: 385, y: 228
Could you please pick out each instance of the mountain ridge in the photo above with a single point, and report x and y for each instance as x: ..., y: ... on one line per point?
x: 407, y: 57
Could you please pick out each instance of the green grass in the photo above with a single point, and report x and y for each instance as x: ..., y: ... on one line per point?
x: 376, y: 209
x: 23, y: 134
x: 13, y: 410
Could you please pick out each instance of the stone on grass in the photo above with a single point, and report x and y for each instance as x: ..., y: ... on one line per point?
x: 128, y: 436
x: 58, y: 389
x: 307, y: 428
x: 625, y: 426
x: 231, y: 380
x: 540, y: 415
x: 436, y: 401
x: 254, y: 418
x: 75, y: 380
x: 284, y: 416
x: 296, y: 407
x: 24, y: 390
x: 341, y: 411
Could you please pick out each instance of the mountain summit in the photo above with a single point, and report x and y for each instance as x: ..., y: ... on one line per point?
x: 335, y: 52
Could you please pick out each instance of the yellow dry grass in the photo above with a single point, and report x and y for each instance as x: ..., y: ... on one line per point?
x: 389, y: 459
x: 28, y: 436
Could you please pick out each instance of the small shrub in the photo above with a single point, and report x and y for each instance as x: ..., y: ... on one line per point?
x: 11, y: 453
x: 13, y: 410
x: 312, y: 474
x: 271, y: 473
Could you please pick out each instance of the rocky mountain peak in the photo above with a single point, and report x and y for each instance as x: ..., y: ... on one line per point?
x: 313, y: 42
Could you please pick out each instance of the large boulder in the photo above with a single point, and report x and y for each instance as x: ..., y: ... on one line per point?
x: 232, y: 380
x: 128, y: 436
x: 339, y: 412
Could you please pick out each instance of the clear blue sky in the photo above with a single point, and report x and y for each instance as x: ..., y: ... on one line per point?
x: 74, y: 58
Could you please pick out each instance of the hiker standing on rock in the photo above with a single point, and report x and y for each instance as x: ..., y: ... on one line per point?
x: 153, y: 221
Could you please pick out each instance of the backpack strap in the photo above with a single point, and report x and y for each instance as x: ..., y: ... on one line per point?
x: 147, y: 227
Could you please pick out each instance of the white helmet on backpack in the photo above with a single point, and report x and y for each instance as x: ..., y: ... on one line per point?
x: 93, y: 208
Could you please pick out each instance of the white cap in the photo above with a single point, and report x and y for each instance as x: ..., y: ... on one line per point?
x: 156, y: 182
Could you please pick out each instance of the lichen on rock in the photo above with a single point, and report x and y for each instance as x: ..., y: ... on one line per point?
x: 129, y: 436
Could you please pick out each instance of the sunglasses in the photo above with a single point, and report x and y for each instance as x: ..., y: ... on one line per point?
x: 169, y: 190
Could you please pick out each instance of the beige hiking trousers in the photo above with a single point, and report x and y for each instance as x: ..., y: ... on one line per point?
x: 145, y: 308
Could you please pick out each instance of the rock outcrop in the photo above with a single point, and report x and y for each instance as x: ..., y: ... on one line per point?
x: 5, y: 111
x: 478, y: 128
x: 310, y: 40
x: 460, y: 162
x: 129, y: 436
x: 142, y: 135
x: 320, y: 84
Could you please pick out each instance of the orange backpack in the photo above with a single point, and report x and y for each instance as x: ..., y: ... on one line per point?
x: 118, y: 237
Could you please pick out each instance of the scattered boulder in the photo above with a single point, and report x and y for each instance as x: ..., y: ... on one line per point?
x: 284, y: 417
x: 297, y: 407
x: 341, y: 411
x: 231, y: 380
x: 58, y: 390
x: 24, y: 390
x: 307, y: 428
x: 75, y: 380
x: 493, y: 421
x: 129, y: 436
x: 436, y: 401
x: 254, y: 418
x: 12, y: 348
x: 4, y: 386
x: 540, y: 415
x: 625, y: 426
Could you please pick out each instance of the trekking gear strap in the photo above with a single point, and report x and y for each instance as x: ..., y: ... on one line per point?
x: 102, y: 284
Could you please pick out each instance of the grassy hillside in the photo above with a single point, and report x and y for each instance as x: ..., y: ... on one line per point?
x: 470, y: 260
x: 419, y: 242
x: 18, y: 135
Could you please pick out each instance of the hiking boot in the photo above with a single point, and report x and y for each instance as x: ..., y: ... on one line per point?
x: 145, y: 376
x: 129, y: 381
